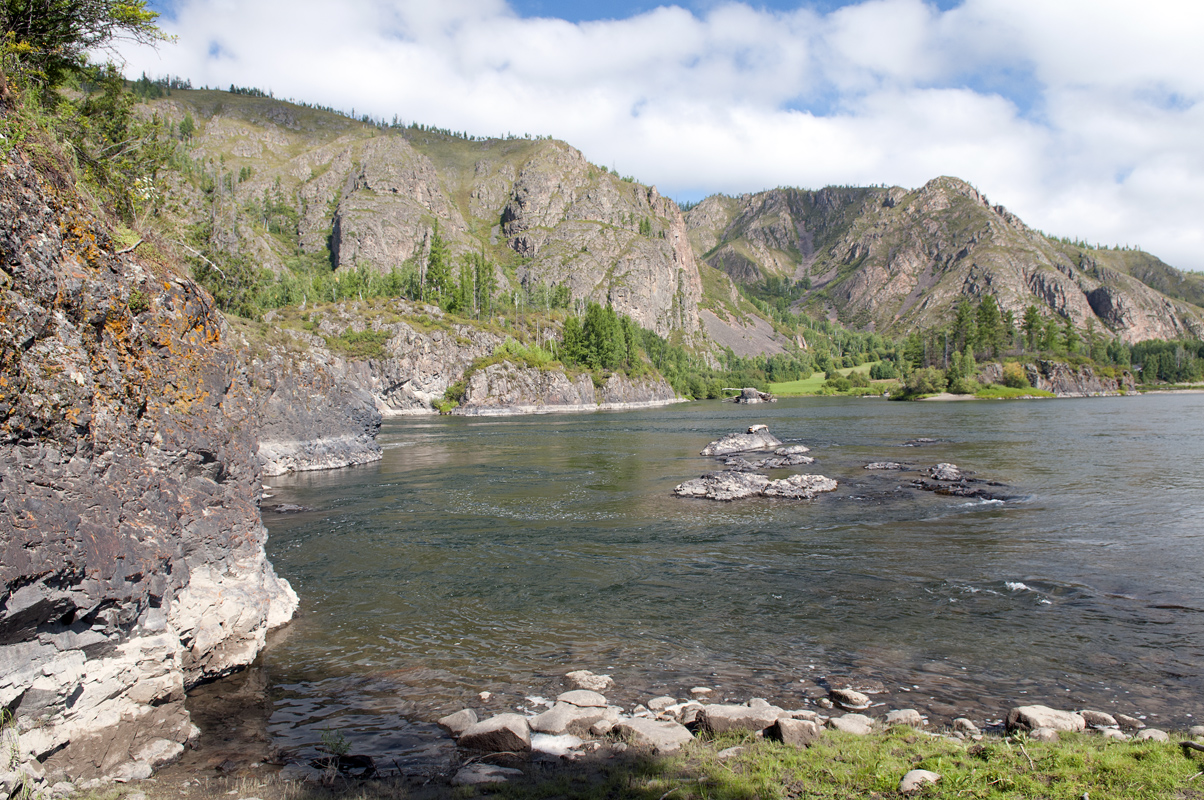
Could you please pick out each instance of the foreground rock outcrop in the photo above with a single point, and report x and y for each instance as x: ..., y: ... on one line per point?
x: 131, y: 551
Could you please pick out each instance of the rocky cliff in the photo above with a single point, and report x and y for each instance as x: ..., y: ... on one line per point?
x: 505, y: 388
x: 374, y: 196
x: 1065, y: 380
x: 132, y: 562
x: 896, y: 261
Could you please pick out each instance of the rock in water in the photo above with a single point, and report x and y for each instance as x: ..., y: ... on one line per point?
x: 756, y: 437
x: 736, y: 485
x: 584, y: 679
x: 727, y: 485
x: 849, y: 699
x: 505, y: 733
x: 455, y: 724
x: 799, y: 487
x: 946, y: 472
x: 1033, y: 717
x: 885, y: 465
x: 582, y: 698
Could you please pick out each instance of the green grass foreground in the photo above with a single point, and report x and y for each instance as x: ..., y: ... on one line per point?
x: 838, y: 766
x: 1008, y: 393
x: 811, y: 385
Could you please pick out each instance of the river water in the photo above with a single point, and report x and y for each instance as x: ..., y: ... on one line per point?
x: 497, y: 554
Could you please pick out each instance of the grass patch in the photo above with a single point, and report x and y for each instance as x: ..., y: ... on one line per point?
x: 995, y: 392
x: 814, y: 384
x: 359, y: 346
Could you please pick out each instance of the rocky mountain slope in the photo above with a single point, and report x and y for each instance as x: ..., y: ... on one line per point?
x: 131, y: 549
x: 373, y: 196
x: 895, y: 261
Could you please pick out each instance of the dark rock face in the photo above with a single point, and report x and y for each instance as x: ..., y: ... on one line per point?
x: 131, y: 551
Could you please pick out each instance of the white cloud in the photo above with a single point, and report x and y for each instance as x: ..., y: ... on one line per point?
x: 1083, y: 116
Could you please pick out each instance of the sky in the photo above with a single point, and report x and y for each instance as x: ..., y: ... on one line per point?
x: 1084, y: 117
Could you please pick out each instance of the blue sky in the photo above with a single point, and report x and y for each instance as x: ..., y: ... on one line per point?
x: 1084, y: 117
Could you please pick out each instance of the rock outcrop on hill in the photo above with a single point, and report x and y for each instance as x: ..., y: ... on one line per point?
x: 505, y: 388
x: 1065, y: 380
x: 375, y: 196
x: 894, y: 260
x: 131, y: 550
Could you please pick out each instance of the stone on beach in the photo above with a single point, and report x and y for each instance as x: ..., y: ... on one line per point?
x: 757, y: 437
x: 1044, y: 735
x: 582, y: 698
x: 1129, y: 723
x: 1099, y: 719
x: 719, y: 718
x: 905, y: 716
x: 1196, y: 730
x: 551, y: 745
x: 858, y: 724
x: 660, y: 735
x: 795, y: 732
x: 505, y: 733
x: 1151, y: 735
x: 915, y: 780
x: 481, y: 774
x: 661, y: 703
x: 584, y: 679
x: 455, y: 724
x: 849, y: 699
x: 1033, y: 717
x: 966, y: 726
x: 565, y: 717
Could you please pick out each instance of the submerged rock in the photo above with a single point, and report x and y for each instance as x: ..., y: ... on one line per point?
x: 885, y: 465
x: 757, y: 437
x: 799, y: 487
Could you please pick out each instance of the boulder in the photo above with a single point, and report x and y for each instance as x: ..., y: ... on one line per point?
x: 1196, y: 730
x: 565, y: 717
x: 1043, y: 735
x: 701, y: 691
x: 505, y: 733
x: 858, y: 724
x: 1129, y: 723
x: 796, y: 732
x: 799, y: 487
x: 757, y: 437
x: 723, y: 486
x: 1099, y: 719
x: 792, y: 450
x: 481, y: 774
x: 1114, y: 733
x: 1033, y: 717
x: 723, y: 718
x: 551, y: 745
x: 661, y: 703
x: 916, y: 780
x: 660, y: 735
x: 584, y: 679
x: 582, y: 698
x: 455, y: 724
x: 963, y: 725
x: 946, y: 472
x: 850, y: 699
x: 1151, y: 735
x: 885, y: 465
x: 905, y: 716
x: 804, y: 713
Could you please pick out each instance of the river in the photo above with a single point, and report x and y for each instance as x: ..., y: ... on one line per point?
x: 497, y: 554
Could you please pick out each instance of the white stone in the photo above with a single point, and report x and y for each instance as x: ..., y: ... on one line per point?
x: 916, y: 780
x: 480, y: 774
x: 582, y: 698
x: 663, y: 737
x: 905, y: 716
x: 1151, y: 735
x: 858, y: 724
x: 1033, y: 717
x: 584, y: 679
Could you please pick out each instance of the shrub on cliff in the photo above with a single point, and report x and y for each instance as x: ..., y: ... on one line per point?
x: 1014, y: 376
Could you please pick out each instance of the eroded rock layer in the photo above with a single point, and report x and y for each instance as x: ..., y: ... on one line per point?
x: 131, y: 551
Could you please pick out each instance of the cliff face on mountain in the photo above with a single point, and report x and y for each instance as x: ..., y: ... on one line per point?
x: 895, y: 261
x: 375, y: 196
x: 131, y: 550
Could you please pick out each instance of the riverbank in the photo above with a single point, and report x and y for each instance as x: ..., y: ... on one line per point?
x: 741, y: 765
